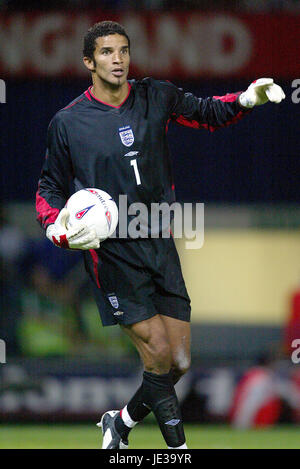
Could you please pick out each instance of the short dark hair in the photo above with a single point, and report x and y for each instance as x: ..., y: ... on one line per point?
x: 104, y: 28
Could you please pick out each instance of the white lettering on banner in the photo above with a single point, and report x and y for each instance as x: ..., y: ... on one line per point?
x: 197, y: 47
x: 52, y: 61
x: 141, y: 47
x: 75, y: 395
x: 195, y: 54
x: 227, y: 62
x: 80, y: 27
x: 52, y: 44
x: 86, y: 394
x: 168, y: 35
x: 10, y: 402
x: 49, y: 398
x: 13, y: 44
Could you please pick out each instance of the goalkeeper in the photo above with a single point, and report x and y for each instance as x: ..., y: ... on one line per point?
x: 138, y: 283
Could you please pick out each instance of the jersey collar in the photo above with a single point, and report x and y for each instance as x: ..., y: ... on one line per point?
x: 89, y: 95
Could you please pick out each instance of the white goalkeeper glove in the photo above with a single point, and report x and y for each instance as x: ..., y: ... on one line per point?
x: 261, y: 91
x: 78, y: 237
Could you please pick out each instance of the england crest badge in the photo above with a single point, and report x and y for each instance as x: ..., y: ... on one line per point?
x: 113, y: 300
x: 126, y: 135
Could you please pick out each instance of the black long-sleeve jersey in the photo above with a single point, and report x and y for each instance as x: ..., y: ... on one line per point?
x: 124, y: 149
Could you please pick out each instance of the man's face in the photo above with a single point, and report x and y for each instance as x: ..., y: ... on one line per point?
x: 111, y: 59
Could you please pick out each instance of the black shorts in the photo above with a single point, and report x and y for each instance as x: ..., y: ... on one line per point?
x: 134, y: 280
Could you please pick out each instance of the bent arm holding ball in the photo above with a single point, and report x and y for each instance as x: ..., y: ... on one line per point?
x: 53, y: 193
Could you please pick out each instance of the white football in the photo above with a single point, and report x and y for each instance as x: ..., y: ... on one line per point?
x: 96, y: 209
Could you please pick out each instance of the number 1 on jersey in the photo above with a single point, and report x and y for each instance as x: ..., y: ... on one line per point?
x: 136, y: 171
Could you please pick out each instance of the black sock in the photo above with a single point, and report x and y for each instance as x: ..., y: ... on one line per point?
x: 159, y: 394
x: 121, y: 428
x: 136, y: 408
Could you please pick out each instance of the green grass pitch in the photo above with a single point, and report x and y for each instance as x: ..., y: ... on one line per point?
x: 60, y: 436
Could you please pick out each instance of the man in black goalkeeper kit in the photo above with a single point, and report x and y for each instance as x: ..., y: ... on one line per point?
x: 113, y: 137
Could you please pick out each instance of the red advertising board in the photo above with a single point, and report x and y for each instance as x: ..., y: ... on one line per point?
x: 183, y: 46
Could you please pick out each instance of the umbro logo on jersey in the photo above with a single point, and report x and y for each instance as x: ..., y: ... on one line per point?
x: 172, y: 422
x: 126, y: 135
x: 81, y: 213
x: 132, y: 153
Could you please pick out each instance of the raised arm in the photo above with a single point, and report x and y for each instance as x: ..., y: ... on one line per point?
x: 218, y: 111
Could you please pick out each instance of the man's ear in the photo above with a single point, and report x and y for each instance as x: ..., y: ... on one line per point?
x: 89, y: 63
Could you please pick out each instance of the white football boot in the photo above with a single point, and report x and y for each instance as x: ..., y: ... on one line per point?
x: 111, y: 438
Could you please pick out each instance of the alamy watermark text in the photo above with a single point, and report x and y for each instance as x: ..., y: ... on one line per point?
x: 296, y: 92
x: 295, y: 357
x: 138, y: 220
x: 2, y: 91
x: 2, y: 351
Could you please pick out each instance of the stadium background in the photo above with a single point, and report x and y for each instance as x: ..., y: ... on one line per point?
x: 61, y: 365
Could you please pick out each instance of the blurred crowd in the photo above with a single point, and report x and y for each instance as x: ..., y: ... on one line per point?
x: 232, y: 5
x: 46, y: 306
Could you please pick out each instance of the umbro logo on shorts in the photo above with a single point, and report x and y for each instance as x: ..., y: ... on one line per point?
x: 118, y: 313
x: 172, y: 422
